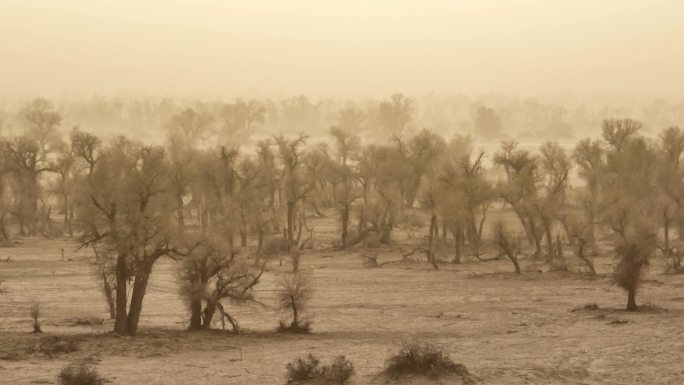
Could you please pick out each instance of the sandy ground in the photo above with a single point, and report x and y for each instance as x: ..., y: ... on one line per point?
x: 507, y: 329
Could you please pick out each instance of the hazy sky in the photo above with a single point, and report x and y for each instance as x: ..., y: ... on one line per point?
x: 224, y: 48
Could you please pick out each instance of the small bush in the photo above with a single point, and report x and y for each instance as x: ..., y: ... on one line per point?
x: 35, y: 316
x: 57, y: 345
x: 422, y: 358
x: 90, y: 321
x: 308, y: 369
x: 339, y: 371
x: 303, y: 369
x: 80, y: 375
x: 302, y: 327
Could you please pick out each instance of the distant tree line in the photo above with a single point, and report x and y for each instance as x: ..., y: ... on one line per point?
x: 222, y: 210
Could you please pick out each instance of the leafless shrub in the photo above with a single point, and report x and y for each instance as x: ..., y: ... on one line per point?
x: 80, y: 375
x: 308, y: 369
x: 581, y: 235
x: 508, y: 245
x: 104, y: 267
x: 295, y: 293
x: 35, y: 316
x: 423, y: 358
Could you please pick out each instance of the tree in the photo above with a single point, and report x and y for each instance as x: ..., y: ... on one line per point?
x: 508, y: 245
x: 634, y: 251
x: 487, y: 123
x: 345, y: 191
x: 27, y: 164
x: 64, y: 167
x: 351, y: 119
x: 239, y: 118
x: 466, y: 194
x: 291, y: 155
x: 188, y: 127
x: 424, y: 152
x: 42, y: 122
x: 670, y: 186
x: 395, y: 114
x: 520, y: 189
x: 212, y: 272
x: 295, y: 292
x: 555, y: 165
x: 590, y: 157
x: 185, y: 130
x: 125, y: 208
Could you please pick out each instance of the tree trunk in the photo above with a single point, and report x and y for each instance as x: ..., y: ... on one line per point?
x: 295, y: 314
x: 581, y: 243
x: 121, y: 322
x: 243, y: 230
x: 666, y: 229
x: 345, y: 225
x: 70, y: 226
x: 290, y: 224
x: 549, y: 242
x: 109, y: 294
x: 137, y: 296
x: 209, y: 312
x: 66, y: 209
x: 195, y: 314
x: 457, y: 234
x: 525, y: 224
x: 430, y: 251
x: 631, y: 300
x: 180, y: 212
x: 514, y: 259
x: 260, y: 240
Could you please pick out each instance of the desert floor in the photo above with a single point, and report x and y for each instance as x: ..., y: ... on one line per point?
x: 506, y: 328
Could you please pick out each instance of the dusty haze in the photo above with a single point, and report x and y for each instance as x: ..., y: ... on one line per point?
x: 339, y: 48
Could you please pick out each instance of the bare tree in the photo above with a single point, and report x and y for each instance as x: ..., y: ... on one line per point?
x: 508, y: 245
x: 295, y: 292
x: 211, y: 273
x: 35, y: 317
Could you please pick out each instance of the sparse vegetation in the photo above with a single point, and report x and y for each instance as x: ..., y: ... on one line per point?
x: 35, y: 317
x: 423, y: 358
x: 308, y: 370
x: 80, y: 374
x: 58, y: 345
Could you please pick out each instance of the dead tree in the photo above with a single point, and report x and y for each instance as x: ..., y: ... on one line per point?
x: 294, y: 295
x: 508, y: 245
